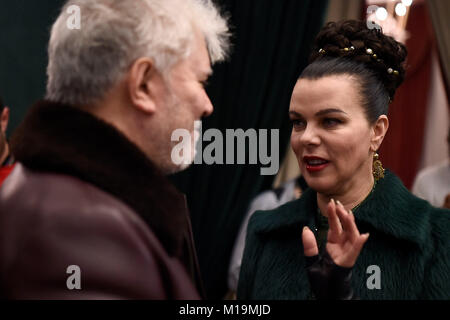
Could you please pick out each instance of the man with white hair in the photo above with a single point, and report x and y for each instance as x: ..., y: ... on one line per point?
x: 88, y: 212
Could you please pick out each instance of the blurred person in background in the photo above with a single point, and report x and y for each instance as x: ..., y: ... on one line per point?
x: 433, y: 183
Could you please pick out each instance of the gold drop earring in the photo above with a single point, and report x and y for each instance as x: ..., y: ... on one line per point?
x: 377, y: 167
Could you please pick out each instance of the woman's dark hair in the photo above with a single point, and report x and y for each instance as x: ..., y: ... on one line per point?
x: 376, y: 60
x: 1, y: 105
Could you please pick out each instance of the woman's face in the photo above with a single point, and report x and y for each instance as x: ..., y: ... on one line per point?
x: 331, y: 137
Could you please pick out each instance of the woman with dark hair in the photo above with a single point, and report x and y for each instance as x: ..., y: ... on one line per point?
x: 319, y: 245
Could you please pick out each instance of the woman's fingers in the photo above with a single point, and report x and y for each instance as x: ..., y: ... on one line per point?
x: 348, y: 222
x: 309, y: 243
x: 361, y: 241
x: 333, y: 220
x: 354, y: 228
x: 344, y: 248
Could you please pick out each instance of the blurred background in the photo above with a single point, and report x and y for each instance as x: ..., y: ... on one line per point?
x: 271, y: 44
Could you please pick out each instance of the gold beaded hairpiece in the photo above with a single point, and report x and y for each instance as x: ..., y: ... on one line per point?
x: 370, y: 53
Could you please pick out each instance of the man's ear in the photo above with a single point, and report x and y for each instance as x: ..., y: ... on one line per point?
x: 4, y: 119
x: 379, y: 130
x: 144, y: 83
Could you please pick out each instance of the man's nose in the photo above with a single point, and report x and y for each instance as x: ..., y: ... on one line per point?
x: 207, y: 107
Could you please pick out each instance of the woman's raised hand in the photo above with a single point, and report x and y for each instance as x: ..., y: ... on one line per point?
x: 344, y: 240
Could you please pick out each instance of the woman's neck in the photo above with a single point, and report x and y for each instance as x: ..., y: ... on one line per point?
x: 350, y: 198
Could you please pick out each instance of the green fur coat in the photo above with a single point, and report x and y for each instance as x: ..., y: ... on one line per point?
x: 407, y: 255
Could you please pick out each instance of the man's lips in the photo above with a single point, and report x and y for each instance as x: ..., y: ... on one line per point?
x: 314, y: 164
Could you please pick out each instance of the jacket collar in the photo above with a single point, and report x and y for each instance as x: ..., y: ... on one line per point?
x: 64, y: 139
x: 390, y: 209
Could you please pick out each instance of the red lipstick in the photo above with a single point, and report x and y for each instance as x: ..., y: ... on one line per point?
x: 315, y: 164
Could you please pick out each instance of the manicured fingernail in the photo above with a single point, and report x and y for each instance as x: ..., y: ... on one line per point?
x: 332, y: 200
x: 339, y: 203
x: 305, y: 228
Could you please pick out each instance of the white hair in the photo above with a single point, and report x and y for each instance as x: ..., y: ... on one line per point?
x: 84, y: 63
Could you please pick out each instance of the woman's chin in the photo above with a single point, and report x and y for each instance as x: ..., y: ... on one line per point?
x: 319, y: 185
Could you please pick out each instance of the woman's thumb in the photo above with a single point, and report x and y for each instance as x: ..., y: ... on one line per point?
x: 309, y: 243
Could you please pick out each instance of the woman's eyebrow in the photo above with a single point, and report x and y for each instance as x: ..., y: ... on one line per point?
x: 295, y: 114
x: 319, y: 113
x: 327, y: 111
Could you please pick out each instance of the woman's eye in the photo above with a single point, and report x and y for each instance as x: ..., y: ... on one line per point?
x: 331, y: 122
x: 298, y: 124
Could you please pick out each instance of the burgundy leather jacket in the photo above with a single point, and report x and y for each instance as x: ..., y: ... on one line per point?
x: 71, y: 201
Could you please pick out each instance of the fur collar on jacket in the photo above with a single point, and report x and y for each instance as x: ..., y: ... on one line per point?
x: 63, y: 139
x: 390, y: 209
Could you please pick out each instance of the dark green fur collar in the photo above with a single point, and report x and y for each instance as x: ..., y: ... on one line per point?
x: 390, y: 209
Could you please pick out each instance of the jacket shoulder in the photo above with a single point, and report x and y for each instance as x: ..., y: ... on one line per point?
x: 52, y: 194
x: 436, y: 284
x: 267, y: 220
x: 49, y: 222
x: 440, y: 229
x: 264, y: 227
x: 292, y: 213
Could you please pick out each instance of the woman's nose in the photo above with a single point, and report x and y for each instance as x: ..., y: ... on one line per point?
x: 310, y: 136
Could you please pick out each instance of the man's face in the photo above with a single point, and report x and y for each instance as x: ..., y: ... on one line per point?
x: 186, y: 99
